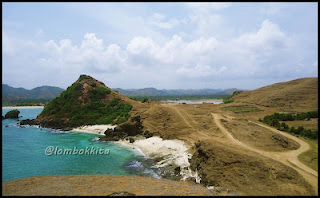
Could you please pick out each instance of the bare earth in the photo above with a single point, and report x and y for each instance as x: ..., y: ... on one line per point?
x: 100, y: 185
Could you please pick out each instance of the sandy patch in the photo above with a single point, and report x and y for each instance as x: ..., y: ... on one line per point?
x: 23, y: 107
x: 95, y: 129
x: 174, y: 152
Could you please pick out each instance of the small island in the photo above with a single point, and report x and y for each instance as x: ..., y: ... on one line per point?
x: 13, y: 114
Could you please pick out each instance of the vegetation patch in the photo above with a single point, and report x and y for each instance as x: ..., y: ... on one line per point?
x: 274, y: 120
x: 12, y: 114
x: 226, y: 101
x: 310, y: 157
x: 143, y: 99
x: 242, y: 108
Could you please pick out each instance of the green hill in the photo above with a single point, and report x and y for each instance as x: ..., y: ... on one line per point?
x: 43, y: 92
x: 85, y: 102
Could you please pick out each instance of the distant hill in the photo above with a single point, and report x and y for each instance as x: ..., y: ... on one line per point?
x: 297, y: 95
x: 173, y: 92
x: 43, y: 92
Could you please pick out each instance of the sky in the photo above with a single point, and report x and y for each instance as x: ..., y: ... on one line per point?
x: 161, y: 45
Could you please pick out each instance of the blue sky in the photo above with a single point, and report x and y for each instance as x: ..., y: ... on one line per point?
x: 161, y: 45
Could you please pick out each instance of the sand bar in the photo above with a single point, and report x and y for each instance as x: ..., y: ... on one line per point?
x: 95, y: 129
x: 23, y: 107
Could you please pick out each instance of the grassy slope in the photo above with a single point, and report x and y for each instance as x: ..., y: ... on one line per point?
x: 300, y: 95
x: 310, y: 158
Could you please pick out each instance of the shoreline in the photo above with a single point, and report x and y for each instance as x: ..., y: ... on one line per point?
x: 173, y: 153
x: 22, y: 107
x: 94, y: 129
x: 192, y: 101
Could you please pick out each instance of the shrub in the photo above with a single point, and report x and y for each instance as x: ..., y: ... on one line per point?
x: 226, y: 101
x: 273, y: 120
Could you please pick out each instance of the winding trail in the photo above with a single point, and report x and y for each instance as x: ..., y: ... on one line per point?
x: 188, y: 120
x: 289, y: 158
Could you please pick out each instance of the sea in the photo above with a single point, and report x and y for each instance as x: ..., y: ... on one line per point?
x: 25, y: 152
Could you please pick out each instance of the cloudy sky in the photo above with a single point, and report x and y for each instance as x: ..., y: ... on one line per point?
x: 161, y: 45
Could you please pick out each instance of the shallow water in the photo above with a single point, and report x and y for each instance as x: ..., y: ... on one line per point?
x: 23, y: 152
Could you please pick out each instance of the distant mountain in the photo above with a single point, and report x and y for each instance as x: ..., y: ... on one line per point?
x: 173, y: 92
x: 43, y: 92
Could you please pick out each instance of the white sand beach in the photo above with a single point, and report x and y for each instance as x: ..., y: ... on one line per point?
x: 22, y: 107
x: 95, y: 129
x: 174, y: 152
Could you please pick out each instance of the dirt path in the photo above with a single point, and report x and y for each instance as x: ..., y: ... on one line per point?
x: 289, y: 158
x: 187, y: 120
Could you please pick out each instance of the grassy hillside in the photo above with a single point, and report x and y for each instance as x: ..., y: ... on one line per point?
x: 86, y: 102
x: 298, y: 95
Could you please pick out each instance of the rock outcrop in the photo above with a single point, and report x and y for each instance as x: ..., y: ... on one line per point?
x: 13, y: 114
x: 131, y: 127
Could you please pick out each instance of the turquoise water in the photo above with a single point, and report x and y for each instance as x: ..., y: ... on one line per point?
x: 23, y: 152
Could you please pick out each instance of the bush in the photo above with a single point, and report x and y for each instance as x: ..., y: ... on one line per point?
x: 236, y: 93
x: 143, y: 100
x: 226, y: 101
x: 273, y: 120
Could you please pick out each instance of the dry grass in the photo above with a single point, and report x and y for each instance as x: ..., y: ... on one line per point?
x: 241, y: 108
x: 312, y: 124
x: 310, y: 158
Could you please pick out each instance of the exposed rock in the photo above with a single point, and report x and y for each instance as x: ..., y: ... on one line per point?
x: 12, y: 114
x: 147, y: 134
x: 113, y: 135
x: 131, y: 127
x: 122, y: 193
x: 28, y: 122
x: 131, y: 140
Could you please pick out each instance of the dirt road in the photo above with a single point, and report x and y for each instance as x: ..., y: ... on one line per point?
x: 289, y: 158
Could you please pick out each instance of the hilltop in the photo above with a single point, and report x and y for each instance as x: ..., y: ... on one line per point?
x: 298, y: 95
x: 86, y: 102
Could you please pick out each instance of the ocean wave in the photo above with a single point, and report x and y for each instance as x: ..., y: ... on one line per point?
x: 135, y: 164
x: 95, y: 139
x: 151, y: 173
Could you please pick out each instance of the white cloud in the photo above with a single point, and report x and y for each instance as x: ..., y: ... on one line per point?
x: 200, y: 71
x: 269, y: 36
x: 267, y: 51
